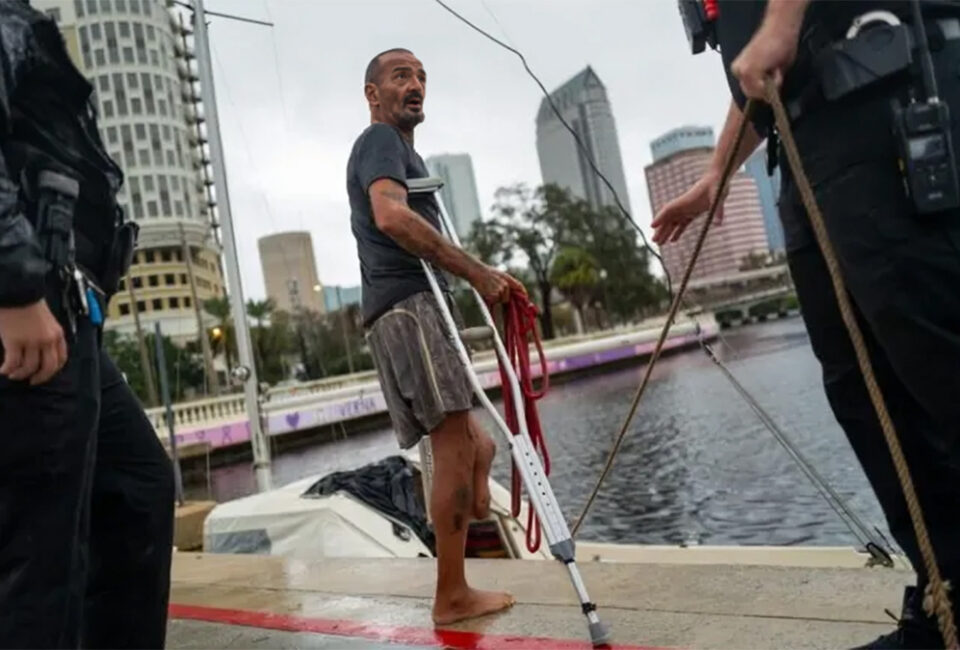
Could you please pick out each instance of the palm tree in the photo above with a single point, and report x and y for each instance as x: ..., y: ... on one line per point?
x: 259, y: 310
x: 575, y: 272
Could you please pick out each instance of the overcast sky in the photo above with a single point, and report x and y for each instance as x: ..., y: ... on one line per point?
x: 291, y: 98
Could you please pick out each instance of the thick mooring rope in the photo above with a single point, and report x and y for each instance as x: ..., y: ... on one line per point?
x: 937, y: 600
x: 937, y: 597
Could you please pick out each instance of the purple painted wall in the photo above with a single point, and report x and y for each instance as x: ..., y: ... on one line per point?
x: 225, y: 435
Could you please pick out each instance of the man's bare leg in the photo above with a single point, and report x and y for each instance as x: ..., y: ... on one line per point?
x: 451, y: 504
x: 486, y: 450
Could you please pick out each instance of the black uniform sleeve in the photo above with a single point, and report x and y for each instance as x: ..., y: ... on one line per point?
x: 22, y: 266
x: 381, y: 155
x: 738, y: 21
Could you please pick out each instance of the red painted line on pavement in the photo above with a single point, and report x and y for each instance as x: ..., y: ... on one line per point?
x: 454, y: 639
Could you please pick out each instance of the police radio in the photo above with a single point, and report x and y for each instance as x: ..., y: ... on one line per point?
x: 698, y: 22
x: 923, y: 135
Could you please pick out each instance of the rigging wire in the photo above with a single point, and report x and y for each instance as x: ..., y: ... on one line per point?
x: 583, y: 149
x: 872, y: 542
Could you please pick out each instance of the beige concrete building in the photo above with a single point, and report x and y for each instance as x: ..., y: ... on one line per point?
x: 290, y: 272
x: 680, y: 157
x: 146, y: 93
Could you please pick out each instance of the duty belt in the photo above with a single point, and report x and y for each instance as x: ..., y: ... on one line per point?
x: 811, y: 97
x: 56, y: 199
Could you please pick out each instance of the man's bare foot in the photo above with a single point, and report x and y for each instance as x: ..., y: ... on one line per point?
x: 486, y: 450
x: 470, y: 604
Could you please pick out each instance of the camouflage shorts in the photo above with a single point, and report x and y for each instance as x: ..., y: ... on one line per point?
x: 422, y: 377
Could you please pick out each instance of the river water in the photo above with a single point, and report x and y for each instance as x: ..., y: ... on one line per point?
x: 697, y: 466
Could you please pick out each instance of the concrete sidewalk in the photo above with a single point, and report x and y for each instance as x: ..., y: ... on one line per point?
x: 256, y: 601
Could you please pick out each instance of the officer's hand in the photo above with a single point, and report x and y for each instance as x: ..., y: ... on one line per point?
x: 675, y: 216
x: 33, y: 344
x: 771, y: 52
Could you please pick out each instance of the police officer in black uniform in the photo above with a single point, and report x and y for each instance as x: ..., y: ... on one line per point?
x: 86, y: 489
x: 877, y: 141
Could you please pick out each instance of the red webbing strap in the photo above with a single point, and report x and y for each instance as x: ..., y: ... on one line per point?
x: 519, y: 326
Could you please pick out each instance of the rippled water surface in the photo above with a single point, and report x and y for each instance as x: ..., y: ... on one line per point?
x: 697, y: 465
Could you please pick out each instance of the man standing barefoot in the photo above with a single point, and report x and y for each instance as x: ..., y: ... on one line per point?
x: 424, y: 383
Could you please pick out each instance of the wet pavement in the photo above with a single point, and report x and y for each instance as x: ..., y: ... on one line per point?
x: 265, y: 602
x: 200, y: 634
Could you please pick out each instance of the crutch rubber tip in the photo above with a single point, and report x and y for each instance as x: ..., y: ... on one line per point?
x: 599, y: 634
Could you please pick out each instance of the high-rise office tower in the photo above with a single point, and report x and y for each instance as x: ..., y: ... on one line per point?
x: 680, y: 157
x: 769, y: 187
x: 584, y: 105
x: 136, y: 56
x: 290, y: 272
x: 459, y: 192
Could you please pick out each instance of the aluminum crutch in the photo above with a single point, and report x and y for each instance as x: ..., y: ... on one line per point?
x: 521, y: 448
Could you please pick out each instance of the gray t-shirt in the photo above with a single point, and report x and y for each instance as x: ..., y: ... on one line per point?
x: 388, y: 272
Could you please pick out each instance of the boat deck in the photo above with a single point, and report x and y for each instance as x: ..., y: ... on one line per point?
x: 234, y: 601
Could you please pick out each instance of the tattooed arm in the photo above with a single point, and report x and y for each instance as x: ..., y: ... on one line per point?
x: 388, y: 200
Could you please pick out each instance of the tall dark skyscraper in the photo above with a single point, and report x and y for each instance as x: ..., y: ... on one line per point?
x: 584, y: 105
x: 459, y: 191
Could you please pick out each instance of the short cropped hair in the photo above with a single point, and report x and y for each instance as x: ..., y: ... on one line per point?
x: 373, y: 68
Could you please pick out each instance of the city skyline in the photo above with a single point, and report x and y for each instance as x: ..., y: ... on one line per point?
x: 289, y: 114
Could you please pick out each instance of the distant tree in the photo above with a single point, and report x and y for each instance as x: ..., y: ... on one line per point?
x: 320, y: 344
x: 529, y: 227
x: 755, y: 260
x: 629, y: 289
x: 184, y: 369
x: 125, y: 353
x: 279, y: 345
x: 576, y: 273
x: 260, y: 310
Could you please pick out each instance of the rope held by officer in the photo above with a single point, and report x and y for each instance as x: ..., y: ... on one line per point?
x: 937, y: 599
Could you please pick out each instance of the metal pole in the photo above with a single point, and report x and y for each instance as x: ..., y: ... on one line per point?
x: 165, y: 389
x: 248, y: 376
x: 343, y: 329
x: 142, y: 344
x: 213, y: 383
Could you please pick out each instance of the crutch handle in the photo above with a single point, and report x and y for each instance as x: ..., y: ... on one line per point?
x: 427, y: 185
x: 481, y: 334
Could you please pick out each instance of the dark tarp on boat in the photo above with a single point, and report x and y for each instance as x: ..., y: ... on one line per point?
x: 391, y: 486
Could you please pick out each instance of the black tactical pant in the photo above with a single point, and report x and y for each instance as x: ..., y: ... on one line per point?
x: 902, y: 271
x: 86, y: 510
